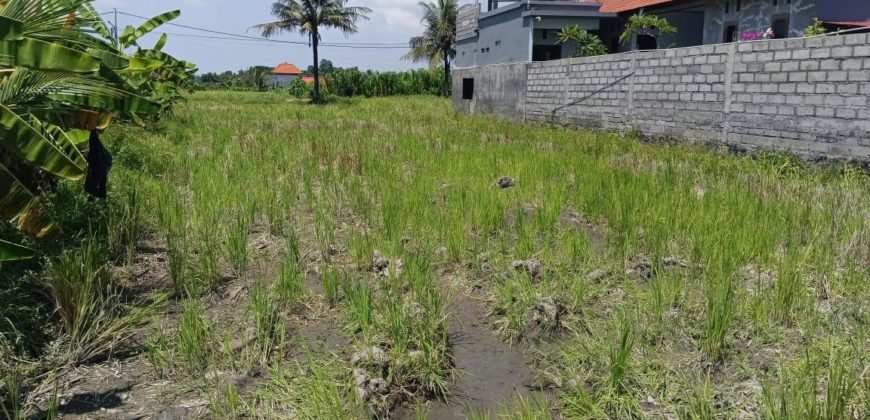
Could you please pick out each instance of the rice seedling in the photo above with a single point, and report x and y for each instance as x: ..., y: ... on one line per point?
x: 95, y: 316
x: 289, y: 287
x: 126, y: 225
x: 720, y: 312
x: 359, y: 301
x: 620, y: 357
x: 194, y: 338
x: 331, y: 279
x: 237, y: 239
x: 267, y: 316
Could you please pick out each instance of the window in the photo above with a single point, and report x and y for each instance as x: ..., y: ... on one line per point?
x: 738, y: 5
x: 646, y: 42
x: 780, y: 26
x: 727, y: 7
x: 544, y: 34
x: 497, y: 43
x: 730, y: 32
x: 468, y: 89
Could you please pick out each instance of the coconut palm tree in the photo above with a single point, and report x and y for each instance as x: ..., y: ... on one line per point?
x: 308, y: 17
x: 438, y: 42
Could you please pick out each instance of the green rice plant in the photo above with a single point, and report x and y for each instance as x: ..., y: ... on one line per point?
x: 699, y: 402
x: 359, y: 301
x: 12, y: 397
x: 225, y: 402
x: 314, y: 390
x: 96, y: 318
x: 267, y: 316
x: 331, y: 279
x: 290, y: 285
x: 521, y: 408
x: 126, y: 224
x: 513, y: 299
x: 796, y: 395
x: 208, y: 261
x: 620, y: 357
x: 237, y: 240
x: 293, y: 253
x: 788, y: 292
x: 159, y: 353
x: 719, y: 314
x: 194, y: 338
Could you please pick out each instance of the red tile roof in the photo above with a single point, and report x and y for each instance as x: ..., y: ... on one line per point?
x: 616, y: 6
x: 287, y: 68
x: 310, y: 80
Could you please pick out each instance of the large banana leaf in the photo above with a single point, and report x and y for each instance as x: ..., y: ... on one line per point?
x: 118, y: 62
x: 14, y: 252
x: 43, y: 55
x: 33, y: 141
x: 20, y: 206
x: 110, y: 101
x: 130, y: 35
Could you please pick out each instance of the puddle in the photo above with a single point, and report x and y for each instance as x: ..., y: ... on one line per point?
x: 489, y: 372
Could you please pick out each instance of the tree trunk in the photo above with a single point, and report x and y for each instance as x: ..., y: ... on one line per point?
x: 446, y: 76
x: 314, y: 42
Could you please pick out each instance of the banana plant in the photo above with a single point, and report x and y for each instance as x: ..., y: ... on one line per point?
x: 57, y: 82
x: 131, y: 34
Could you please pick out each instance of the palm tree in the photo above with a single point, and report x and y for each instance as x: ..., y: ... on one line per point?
x: 308, y: 17
x: 586, y: 44
x: 650, y: 25
x: 438, y: 42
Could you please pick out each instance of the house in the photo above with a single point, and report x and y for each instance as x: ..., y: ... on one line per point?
x: 283, y: 75
x: 514, y: 31
x: 510, y: 31
x: 719, y: 21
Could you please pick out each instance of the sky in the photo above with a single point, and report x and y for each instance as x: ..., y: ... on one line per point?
x: 391, y: 21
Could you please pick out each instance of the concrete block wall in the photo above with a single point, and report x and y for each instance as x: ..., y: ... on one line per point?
x: 807, y: 96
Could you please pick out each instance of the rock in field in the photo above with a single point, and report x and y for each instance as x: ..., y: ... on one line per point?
x: 597, y: 275
x: 531, y: 267
x: 505, y: 182
x: 367, y: 387
x: 380, y: 265
x: 371, y: 357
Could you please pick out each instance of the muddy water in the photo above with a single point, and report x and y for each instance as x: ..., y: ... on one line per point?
x: 489, y: 372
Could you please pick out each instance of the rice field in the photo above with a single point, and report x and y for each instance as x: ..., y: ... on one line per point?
x: 377, y: 258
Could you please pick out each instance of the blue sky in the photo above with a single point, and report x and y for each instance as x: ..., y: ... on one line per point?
x: 391, y: 21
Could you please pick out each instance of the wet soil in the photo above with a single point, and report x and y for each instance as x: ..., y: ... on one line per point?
x: 488, y: 371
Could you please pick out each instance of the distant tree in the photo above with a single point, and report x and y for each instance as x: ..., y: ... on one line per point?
x: 649, y: 25
x: 308, y: 17
x: 816, y: 28
x: 209, y: 78
x: 437, y: 44
x: 586, y: 44
x: 326, y: 67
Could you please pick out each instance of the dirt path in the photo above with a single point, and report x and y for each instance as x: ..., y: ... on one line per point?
x: 489, y: 372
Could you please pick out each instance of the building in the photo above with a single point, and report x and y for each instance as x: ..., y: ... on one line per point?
x: 515, y: 31
x: 283, y: 75
x: 510, y: 31
x: 720, y: 21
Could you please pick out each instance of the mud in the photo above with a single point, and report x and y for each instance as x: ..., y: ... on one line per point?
x: 489, y: 372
